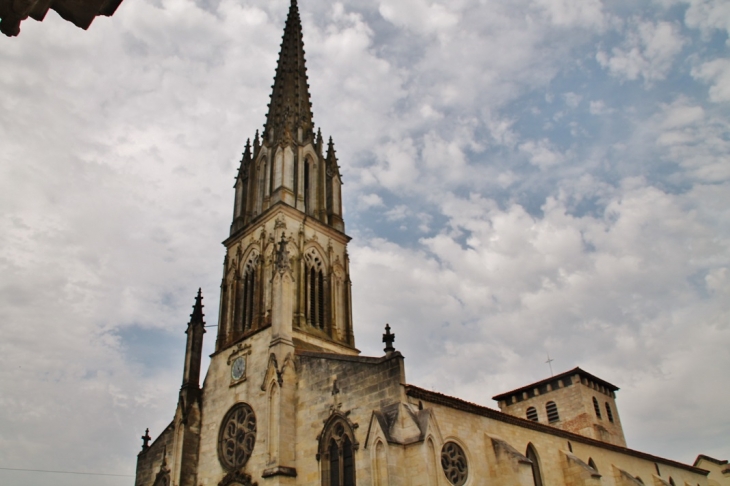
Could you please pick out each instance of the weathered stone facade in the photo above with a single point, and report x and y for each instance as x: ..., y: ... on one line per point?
x: 287, y: 400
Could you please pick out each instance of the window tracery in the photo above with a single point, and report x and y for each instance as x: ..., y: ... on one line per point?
x: 248, y: 293
x: 316, y: 289
x: 237, y: 436
x: 337, y: 453
x: 454, y: 464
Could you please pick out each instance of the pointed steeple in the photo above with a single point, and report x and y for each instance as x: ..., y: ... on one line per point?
x: 194, y: 347
x: 332, y: 167
x: 197, y: 316
x: 290, y: 108
x: 245, y: 161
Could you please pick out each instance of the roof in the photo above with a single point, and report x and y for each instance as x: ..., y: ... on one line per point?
x: 468, y: 407
x: 709, y: 459
x: 290, y: 106
x: 572, y: 372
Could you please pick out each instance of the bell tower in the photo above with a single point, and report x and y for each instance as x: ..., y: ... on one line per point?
x: 288, y: 215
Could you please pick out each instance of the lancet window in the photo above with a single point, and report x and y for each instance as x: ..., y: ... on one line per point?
x: 248, y: 294
x: 308, y: 171
x: 315, y: 290
x: 536, y: 473
x: 337, y: 453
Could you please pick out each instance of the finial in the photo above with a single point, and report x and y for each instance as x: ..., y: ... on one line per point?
x: 197, y: 316
x: 146, y: 440
x: 388, y: 339
x: 256, y: 142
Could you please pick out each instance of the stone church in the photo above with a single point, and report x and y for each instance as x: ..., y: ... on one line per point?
x: 288, y: 400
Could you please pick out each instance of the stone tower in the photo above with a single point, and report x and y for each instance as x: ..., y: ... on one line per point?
x: 286, y: 263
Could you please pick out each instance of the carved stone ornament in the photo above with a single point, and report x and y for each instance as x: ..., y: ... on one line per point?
x: 453, y: 461
x: 237, y: 478
x: 237, y: 437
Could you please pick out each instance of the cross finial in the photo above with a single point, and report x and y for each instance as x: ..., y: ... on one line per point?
x: 388, y: 339
x: 550, y: 363
x: 146, y: 440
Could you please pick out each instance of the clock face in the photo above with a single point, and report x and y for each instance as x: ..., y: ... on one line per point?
x: 238, y: 368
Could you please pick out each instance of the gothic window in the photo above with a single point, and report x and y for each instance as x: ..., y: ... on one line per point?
x: 453, y: 462
x: 532, y: 414
x: 671, y: 481
x: 316, y: 290
x: 308, y: 207
x: 596, y: 407
x: 532, y: 456
x: 337, y: 453
x: 248, y: 292
x: 237, y: 436
x: 552, y: 412
x: 592, y: 463
x: 609, y: 413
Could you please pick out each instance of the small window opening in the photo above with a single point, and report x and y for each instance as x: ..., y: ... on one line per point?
x: 671, y: 481
x: 552, y: 412
x: 597, y: 407
x: 532, y: 414
x: 609, y: 413
x: 592, y: 463
x: 570, y: 446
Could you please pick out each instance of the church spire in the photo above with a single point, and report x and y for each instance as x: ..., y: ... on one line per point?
x: 194, y: 347
x: 290, y: 108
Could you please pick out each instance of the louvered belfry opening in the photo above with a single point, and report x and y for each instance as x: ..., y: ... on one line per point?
x: 249, y: 287
x: 316, y: 301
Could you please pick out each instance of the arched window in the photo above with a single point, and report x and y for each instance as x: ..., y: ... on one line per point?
x: 532, y: 414
x: 315, y: 283
x: 248, y: 292
x: 337, y: 453
x: 609, y: 413
x: 532, y: 456
x: 552, y: 412
x: 671, y: 481
x: 380, y: 471
x: 308, y: 170
x: 597, y: 408
x: 592, y: 463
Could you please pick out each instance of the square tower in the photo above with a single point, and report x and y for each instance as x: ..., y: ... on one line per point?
x: 575, y: 401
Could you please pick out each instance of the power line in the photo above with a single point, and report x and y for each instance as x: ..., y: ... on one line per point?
x: 66, y: 472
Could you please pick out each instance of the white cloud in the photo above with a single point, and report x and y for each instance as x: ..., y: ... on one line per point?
x: 599, y: 107
x: 693, y: 139
x: 647, y: 52
x: 708, y: 15
x: 565, y: 13
x: 717, y: 73
x: 542, y: 153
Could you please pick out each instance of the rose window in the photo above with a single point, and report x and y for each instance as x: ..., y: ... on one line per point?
x: 237, y: 436
x: 453, y: 460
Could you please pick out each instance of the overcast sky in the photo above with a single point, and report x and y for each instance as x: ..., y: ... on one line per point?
x: 522, y: 177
